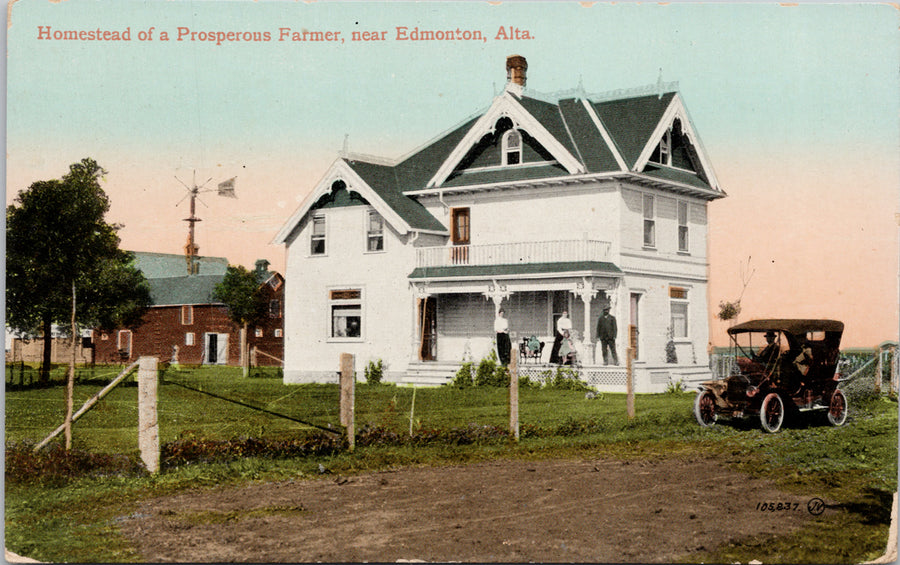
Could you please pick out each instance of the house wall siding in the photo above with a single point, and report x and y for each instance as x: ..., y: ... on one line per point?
x: 311, y: 354
x: 538, y: 215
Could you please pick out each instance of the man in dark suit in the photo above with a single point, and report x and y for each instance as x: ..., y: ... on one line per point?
x: 606, y: 333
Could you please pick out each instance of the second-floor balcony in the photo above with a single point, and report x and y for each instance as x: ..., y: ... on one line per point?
x: 519, y: 253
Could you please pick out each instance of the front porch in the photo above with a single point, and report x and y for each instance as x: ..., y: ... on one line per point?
x: 604, y: 378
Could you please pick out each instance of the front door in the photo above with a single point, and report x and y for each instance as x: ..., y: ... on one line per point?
x: 428, y: 329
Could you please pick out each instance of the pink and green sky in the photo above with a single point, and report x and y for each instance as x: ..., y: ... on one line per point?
x: 797, y: 107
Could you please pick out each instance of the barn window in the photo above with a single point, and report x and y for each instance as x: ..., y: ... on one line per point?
x: 187, y: 315
x: 189, y: 338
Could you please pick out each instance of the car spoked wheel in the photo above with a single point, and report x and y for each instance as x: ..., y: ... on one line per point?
x: 837, y: 409
x: 705, y: 408
x: 771, y: 414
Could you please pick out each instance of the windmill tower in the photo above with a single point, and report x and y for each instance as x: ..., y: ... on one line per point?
x: 226, y: 188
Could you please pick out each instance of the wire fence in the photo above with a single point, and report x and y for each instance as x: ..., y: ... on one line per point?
x: 22, y: 375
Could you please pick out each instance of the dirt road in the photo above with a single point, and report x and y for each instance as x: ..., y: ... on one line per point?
x: 592, y: 510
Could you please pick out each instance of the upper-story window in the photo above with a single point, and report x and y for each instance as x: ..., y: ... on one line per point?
x: 374, y: 231
x: 649, y: 221
x: 460, y: 235
x: 187, y: 315
x: 512, y: 147
x: 663, y: 153
x: 683, y: 239
x: 274, y: 308
x: 317, y: 238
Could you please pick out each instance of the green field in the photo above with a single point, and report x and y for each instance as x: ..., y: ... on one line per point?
x: 75, y: 521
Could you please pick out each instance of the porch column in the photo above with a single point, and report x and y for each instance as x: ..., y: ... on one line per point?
x: 586, y: 292
x: 497, y: 293
x: 420, y: 293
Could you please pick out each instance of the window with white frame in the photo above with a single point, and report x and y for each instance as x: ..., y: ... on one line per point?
x: 649, y: 221
x: 278, y: 332
x: 678, y: 306
x: 663, y: 153
x: 683, y: 241
x: 345, y: 307
x: 187, y: 315
x: 374, y: 231
x: 258, y: 332
x: 123, y: 342
x: 317, y: 237
x: 512, y: 147
x: 189, y: 338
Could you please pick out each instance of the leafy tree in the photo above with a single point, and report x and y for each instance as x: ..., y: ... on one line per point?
x: 61, y: 253
x: 242, y: 294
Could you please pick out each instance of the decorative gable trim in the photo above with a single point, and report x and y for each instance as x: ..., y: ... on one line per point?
x: 506, y: 105
x: 341, y: 170
x: 677, y: 110
x: 605, y: 134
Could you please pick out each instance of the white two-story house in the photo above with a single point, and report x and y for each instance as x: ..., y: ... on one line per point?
x: 540, y: 206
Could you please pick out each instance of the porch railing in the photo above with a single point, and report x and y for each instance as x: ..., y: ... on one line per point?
x: 524, y: 252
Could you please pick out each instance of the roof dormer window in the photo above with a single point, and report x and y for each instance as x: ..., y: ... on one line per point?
x: 663, y: 153
x: 512, y: 147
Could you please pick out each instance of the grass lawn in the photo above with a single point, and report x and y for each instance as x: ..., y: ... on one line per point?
x: 855, y: 465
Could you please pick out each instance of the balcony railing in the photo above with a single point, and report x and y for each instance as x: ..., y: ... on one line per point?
x: 526, y: 252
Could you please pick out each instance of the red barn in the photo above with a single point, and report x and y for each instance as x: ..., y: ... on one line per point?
x: 186, y: 325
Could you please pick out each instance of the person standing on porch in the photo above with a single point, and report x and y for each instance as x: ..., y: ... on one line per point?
x: 563, y: 327
x: 606, y: 333
x: 501, y: 327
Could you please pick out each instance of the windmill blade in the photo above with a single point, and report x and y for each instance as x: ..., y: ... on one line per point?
x: 226, y: 188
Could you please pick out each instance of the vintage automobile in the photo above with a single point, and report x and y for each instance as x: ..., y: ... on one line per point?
x: 779, y: 366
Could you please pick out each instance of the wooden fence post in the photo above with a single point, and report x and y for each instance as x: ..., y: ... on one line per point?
x: 879, y: 367
x: 148, y: 424
x: 348, y: 392
x: 514, y: 393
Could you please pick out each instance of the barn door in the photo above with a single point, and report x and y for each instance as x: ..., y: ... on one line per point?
x: 215, y: 349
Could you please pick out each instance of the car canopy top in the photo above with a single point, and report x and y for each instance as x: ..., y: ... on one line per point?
x: 791, y: 326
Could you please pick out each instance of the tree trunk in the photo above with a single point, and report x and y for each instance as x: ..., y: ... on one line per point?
x: 245, y: 356
x: 70, y: 382
x: 48, y: 348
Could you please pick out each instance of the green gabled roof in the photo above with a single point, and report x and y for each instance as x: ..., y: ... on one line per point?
x: 514, y: 269
x: 160, y: 265
x: 550, y: 117
x: 592, y: 148
x: 506, y: 174
x: 631, y: 121
x: 383, y: 180
x: 173, y: 291
x: 416, y: 170
x: 677, y: 175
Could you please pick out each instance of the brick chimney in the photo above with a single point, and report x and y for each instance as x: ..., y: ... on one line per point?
x: 516, y: 65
